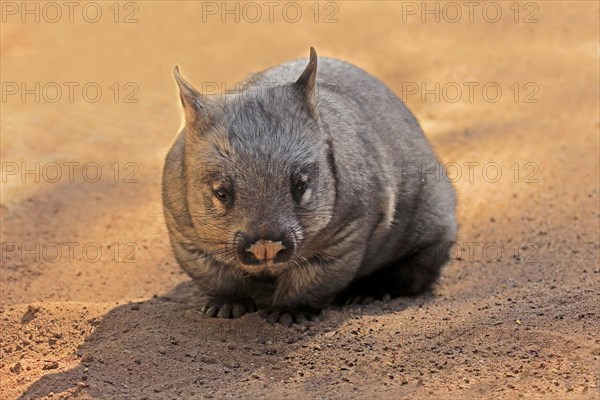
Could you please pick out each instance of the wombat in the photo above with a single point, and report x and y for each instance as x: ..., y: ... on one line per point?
x: 305, y: 188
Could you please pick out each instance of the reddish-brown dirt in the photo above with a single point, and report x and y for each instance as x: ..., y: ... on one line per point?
x: 515, y: 315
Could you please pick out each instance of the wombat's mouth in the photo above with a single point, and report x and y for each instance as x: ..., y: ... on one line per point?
x: 265, y: 268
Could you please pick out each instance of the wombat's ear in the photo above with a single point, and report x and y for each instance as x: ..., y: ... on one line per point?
x: 308, y: 80
x: 191, y: 99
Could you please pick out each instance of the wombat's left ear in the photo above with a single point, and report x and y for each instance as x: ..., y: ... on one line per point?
x: 191, y: 99
x: 308, y: 81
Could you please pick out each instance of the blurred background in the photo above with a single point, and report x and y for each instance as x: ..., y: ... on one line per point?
x: 507, y: 92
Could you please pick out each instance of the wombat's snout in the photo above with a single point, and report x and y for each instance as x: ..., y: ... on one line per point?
x: 267, y: 248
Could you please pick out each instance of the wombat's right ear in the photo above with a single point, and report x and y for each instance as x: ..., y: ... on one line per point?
x: 191, y: 99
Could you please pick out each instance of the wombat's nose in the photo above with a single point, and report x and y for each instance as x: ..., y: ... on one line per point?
x: 265, y: 250
x: 264, y: 247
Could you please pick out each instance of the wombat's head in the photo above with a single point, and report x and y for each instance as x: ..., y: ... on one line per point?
x: 259, y: 172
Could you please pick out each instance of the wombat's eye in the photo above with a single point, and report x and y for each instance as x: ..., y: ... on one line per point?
x: 299, y: 189
x: 221, y: 194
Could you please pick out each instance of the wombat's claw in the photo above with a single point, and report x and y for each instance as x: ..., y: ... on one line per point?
x: 359, y: 299
x: 224, y: 309
x: 287, y: 318
x: 365, y: 299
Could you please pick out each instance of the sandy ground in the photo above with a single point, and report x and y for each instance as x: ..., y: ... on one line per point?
x: 94, y: 306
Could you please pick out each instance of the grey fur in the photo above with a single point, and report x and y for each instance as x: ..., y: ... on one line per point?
x: 374, y: 218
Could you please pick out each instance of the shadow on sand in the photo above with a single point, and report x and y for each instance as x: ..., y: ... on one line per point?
x: 164, y: 348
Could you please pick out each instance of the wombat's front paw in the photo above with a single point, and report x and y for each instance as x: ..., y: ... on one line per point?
x: 288, y: 317
x: 223, y: 308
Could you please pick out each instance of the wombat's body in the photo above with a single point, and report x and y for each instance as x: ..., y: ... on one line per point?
x: 330, y: 172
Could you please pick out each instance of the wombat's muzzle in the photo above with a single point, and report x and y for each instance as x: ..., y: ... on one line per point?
x: 265, y: 248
